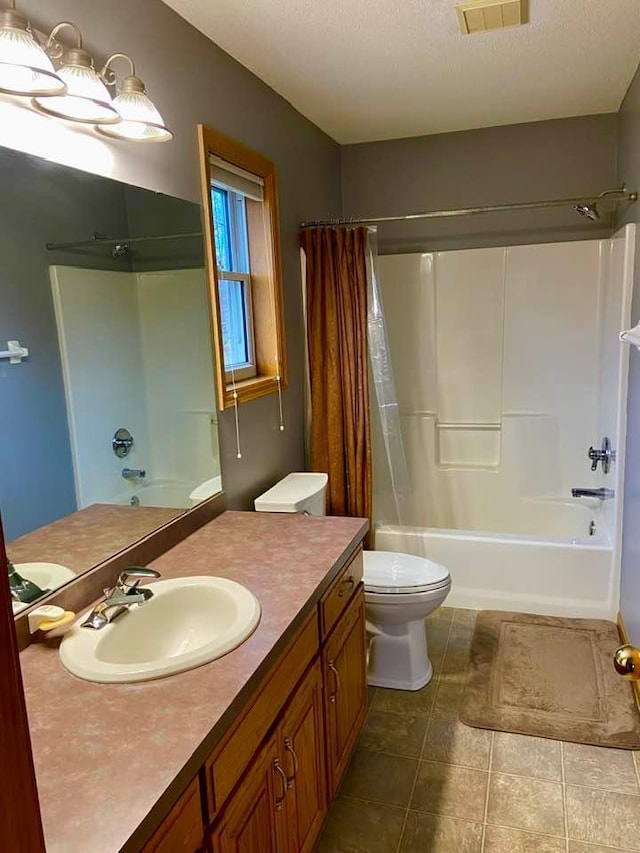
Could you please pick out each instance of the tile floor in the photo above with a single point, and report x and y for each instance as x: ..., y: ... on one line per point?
x: 422, y: 782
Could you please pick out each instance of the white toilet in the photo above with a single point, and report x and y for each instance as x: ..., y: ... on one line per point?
x: 400, y: 590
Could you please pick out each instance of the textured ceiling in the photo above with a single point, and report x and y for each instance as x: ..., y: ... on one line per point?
x: 379, y: 69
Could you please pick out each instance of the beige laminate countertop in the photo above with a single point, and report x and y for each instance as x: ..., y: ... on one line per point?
x: 110, y: 759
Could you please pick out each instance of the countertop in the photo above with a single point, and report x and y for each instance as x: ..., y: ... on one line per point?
x: 88, y: 537
x: 110, y: 758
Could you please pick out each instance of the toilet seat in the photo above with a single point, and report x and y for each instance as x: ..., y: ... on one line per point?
x: 391, y: 573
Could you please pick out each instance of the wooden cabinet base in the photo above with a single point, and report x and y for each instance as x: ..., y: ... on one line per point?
x: 268, y: 784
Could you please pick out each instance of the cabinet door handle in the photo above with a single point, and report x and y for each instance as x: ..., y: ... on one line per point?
x: 347, y: 586
x: 283, y: 777
x: 289, y: 746
x: 336, y: 674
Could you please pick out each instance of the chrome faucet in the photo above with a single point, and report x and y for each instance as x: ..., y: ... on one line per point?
x: 133, y: 473
x: 601, y: 494
x: 121, y: 597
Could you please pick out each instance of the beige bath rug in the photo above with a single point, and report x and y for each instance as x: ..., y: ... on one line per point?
x: 550, y: 677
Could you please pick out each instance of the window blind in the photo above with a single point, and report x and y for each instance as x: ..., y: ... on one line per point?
x: 236, y: 179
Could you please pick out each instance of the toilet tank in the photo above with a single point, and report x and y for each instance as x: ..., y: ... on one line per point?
x: 299, y: 492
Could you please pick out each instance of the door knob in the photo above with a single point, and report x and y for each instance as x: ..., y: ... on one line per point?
x: 627, y: 662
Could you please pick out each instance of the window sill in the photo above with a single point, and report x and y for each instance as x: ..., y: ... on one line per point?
x: 251, y: 389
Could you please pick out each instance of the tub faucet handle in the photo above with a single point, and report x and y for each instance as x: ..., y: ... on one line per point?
x: 605, y: 455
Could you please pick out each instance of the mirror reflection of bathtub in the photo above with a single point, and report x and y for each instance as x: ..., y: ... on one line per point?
x: 171, y: 493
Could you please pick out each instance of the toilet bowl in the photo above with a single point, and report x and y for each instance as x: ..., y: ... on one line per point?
x: 400, y: 591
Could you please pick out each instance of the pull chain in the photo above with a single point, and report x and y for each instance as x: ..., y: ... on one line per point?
x: 235, y: 407
x: 279, y: 384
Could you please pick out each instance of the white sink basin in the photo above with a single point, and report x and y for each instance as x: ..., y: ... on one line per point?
x: 188, y: 622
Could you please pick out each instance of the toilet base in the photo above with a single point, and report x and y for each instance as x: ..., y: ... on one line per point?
x: 398, y: 657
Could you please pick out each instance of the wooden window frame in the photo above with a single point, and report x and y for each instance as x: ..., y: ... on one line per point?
x: 265, y: 270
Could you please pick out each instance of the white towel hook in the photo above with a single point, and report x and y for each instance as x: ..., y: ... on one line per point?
x: 15, y: 353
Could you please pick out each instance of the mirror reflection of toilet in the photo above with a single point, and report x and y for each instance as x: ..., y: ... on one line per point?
x: 400, y: 591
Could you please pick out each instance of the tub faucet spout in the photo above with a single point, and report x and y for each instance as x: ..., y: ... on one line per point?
x: 133, y: 473
x: 602, y: 494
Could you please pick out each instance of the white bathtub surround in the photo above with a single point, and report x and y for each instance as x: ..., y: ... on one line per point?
x: 508, y: 368
x: 136, y: 353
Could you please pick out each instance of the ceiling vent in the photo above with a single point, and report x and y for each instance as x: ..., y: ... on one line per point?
x: 476, y: 16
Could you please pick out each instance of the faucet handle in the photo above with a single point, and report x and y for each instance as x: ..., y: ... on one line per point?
x: 138, y: 572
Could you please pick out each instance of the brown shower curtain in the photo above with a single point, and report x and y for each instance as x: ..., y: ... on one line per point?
x: 340, y: 444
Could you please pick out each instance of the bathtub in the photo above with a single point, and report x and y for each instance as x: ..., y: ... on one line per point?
x: 568, y: 573
x: 161, y: 493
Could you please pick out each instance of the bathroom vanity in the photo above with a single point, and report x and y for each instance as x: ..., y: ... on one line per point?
x: 244, y: 753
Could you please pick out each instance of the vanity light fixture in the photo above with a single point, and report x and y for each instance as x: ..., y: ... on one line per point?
x: 25, y: 68
x: 87, y: 99
x: 141, y: 121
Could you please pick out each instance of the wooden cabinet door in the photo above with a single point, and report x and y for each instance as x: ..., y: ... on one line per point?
x: 344, y: 673
x: 182, y: 831
x: 256, y: 820
x: 301, y: 747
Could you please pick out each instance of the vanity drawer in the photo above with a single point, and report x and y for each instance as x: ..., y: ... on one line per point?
x: 336, y: 598
x: 182, y: 830
x: 230, y: 759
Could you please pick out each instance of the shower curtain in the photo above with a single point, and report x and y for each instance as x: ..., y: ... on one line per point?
x: 336, y: 298
x: 348, y: 353
x: 385, y: 389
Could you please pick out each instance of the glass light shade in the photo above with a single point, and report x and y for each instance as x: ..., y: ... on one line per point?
x: 141, y: 121
x: 25, y: 69
x: 87, y: 100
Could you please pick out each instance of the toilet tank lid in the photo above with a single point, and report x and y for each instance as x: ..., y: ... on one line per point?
x: 291, y: 492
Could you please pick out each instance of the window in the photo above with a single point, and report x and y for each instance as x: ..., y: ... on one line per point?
x: 234, y: 282
x: 240, y: 201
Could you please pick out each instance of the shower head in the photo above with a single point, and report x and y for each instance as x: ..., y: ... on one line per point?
x: 588, y: 210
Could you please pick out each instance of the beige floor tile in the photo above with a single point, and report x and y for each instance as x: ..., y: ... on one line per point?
x: 499, y: 839
x: 402, y: 734
x: 355, y: 827
x: 442, y: 614
x: 380, y: 778
x: 455, y: 666
x: 448, y: 699
x: 452, y: 791
x: 464, y: 616
x: 460, y: 636
x: 452, y: 742
x: 579, y: 847
x: 528, y: 804
x: 371, y: 692
x: 527, y: 756
x: 437, y: 636
x: 600, y: 767
x: 601, y: 817
x: 437, y: 834
x: 415, y: 702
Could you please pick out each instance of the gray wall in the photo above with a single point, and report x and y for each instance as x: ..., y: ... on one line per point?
x: 194, y: 81
x: 629, y: 171
x: 516, y: 163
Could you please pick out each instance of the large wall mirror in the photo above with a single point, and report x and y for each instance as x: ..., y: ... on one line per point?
x: 109, y: 425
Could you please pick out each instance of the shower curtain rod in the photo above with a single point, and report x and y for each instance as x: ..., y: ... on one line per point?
x: 104, y: 241
x: 618, y: 194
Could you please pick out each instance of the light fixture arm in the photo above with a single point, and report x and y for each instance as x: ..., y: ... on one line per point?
x: 54, y: 47
x: 109, y: 75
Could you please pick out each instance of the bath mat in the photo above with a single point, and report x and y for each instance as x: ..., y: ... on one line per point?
x: 549, y: 677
